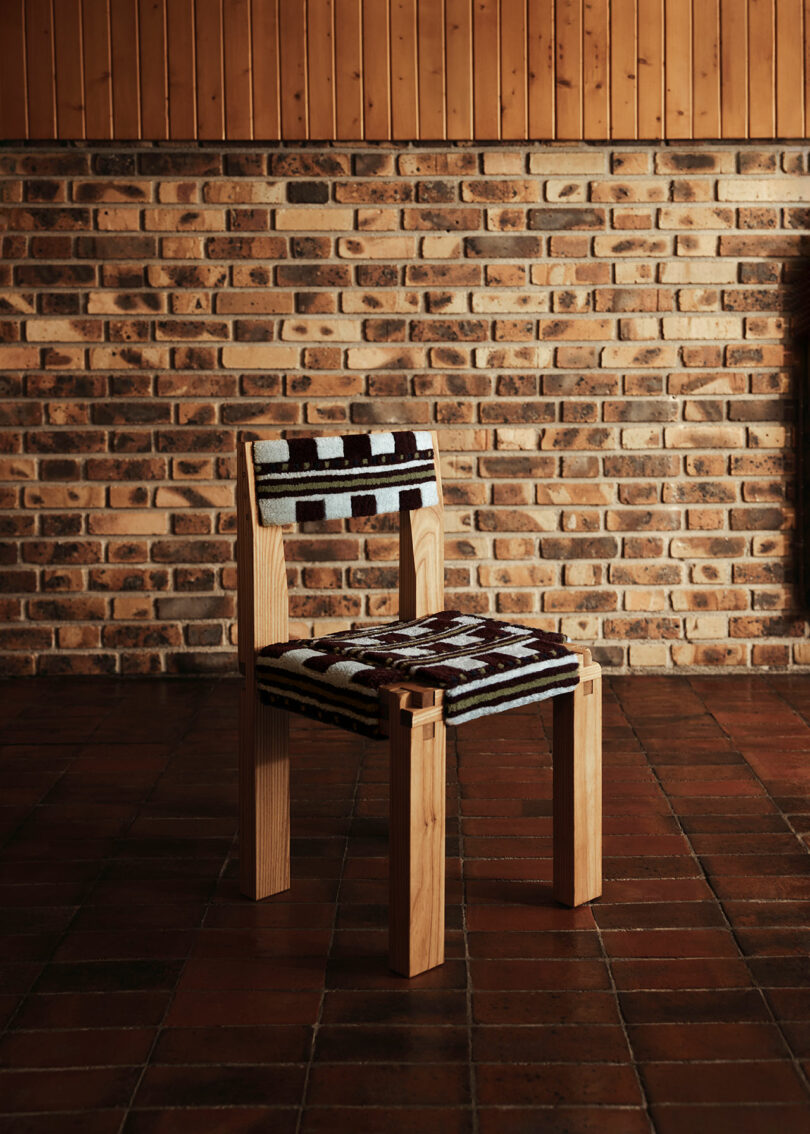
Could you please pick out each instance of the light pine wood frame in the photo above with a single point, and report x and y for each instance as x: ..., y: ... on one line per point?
x: 417, y: 744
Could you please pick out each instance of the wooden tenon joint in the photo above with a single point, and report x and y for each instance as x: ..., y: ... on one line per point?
x: 417, y: 820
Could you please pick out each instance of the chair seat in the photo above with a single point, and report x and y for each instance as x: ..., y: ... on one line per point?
x: 483, y: 665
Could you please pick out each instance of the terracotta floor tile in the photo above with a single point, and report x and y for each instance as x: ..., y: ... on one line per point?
x: 752, y: 1082
x: 731, y: 1119
x: 392, y: 1120
x: 351, y: 1084
x: 689, y: 1042
x: 126, y: 938
x: 564, y: 1120
x: 228, y: 1120
x: 266, y: 1085
x: 560, y: 1084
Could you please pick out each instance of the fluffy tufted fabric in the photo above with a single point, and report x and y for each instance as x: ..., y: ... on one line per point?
x: 330, y: 478
x: 483, y: 665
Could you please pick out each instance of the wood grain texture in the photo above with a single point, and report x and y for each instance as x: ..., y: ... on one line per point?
x: 706, y: 69
x: 208, y: 53
x: 459, y: 44
x: 568, y: 77
x: 421, y: 556
x: 126, y: 80
x: 431, y: 59
x: 182, y: 69
x: 238, y: 58
x: 293, y: 65
x: 69, y: 69
x: 376, y: 70
x: 97, y: 68
x: 348, y: 69
x: 40, y: 68
x: 577, y: 789
x: 264, y: 797
x: 482, y: 70
x: 514, y: 70
x: 404, y: 70
x: 416, y: 832
x: 678, y: 69
x: 541, y: 63
x: 650, y: 102
x: 264, y: 791
x: 733, y: 69
x: 624, y: 65
x: 595, y: 69
x: 761, y: 69
x: 486, y: 70
x: 154, y: 69
x: 13, y: 101
x: 321, y: 68
x: 790, y: 32
x: 266, y: 70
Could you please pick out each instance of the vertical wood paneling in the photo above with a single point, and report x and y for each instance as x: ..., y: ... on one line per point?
x: 126, y: 86
x: 39, y: 57
x: 706, y: 69
x: 13, y: 101
x: 542, y: 102
x: 761, y: 53
x: 595, y: 65
x: 404, y: 69
x: 650, y: 82
x: 568, y: 25
x: 97, y: 69
x: 404, y: 80
x: 514, y: 79
x: 210, y: 78
x: 733, y: 69
x: 154, y: 73
x: 238, y: 69
x: 678, y: 75
x: 321, y: 68
x: 806, y: 63
x: 623, y: 69
x: 292, y: 21
x: 789, y: 69
x: 348, y: 69
x: 265, y: 69
x: 68, y: 51
x: 486, y: 69
x: 458, y: 40
x: 376, y: 69
x: 432, y: 93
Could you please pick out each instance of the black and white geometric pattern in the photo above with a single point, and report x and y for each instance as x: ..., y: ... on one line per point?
x: 484, y: 666
x: 330, y: 478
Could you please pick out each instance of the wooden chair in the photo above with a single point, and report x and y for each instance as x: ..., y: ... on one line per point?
x: 416, y: 730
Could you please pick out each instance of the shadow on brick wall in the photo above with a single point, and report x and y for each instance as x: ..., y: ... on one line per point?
x: 798, y: 307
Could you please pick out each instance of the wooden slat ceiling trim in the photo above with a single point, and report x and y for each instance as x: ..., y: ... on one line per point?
x: 351, y: 70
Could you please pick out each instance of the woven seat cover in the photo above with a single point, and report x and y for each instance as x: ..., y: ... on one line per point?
x: 483, y: 665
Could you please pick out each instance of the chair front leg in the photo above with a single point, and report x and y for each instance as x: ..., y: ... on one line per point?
x: 264, y: 797
x: 417, y: 737
x: 577, y: 808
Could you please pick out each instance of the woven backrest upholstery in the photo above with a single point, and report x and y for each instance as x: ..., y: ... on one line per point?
x: 331, y: 478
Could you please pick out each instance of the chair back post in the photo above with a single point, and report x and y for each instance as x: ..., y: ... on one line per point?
x: 421, y: 555
x: 261, y: 571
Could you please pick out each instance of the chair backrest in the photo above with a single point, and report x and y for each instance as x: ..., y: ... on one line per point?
x: 302, y: 479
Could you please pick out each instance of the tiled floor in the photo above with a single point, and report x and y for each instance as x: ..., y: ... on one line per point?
x: 141, y: 994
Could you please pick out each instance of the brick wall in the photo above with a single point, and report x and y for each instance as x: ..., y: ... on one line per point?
x: 598, y: 333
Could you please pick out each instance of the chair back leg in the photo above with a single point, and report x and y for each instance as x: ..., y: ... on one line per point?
x: 577, y: 808
x: 416, y: 857
x: 264, y: 797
